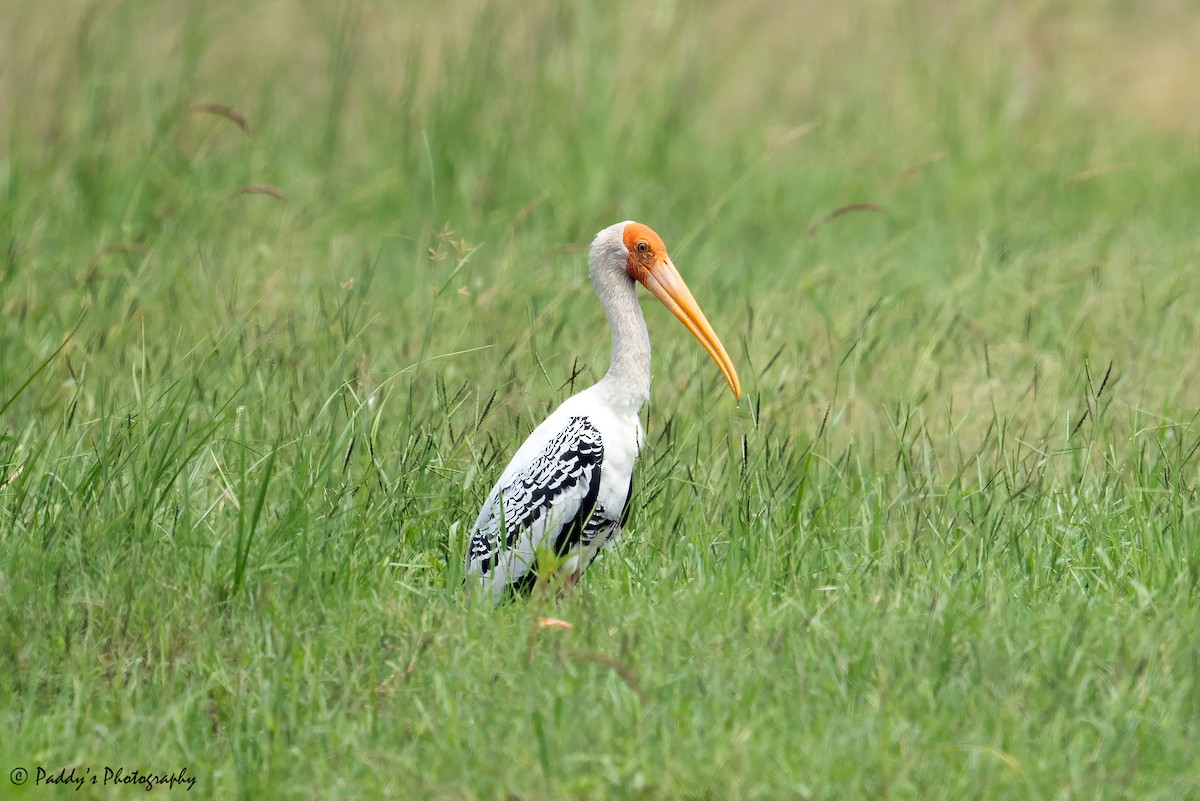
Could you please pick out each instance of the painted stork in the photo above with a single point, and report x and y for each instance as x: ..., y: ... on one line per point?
x: 567, y: 489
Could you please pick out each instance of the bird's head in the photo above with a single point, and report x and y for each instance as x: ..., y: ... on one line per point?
x: 634, y: 248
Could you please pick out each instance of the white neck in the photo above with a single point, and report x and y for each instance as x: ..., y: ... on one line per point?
x: 626, y: 385
x: 627, y: 382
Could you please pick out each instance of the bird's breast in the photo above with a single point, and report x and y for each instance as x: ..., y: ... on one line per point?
x: 621, y: 431
x: 622, y: 441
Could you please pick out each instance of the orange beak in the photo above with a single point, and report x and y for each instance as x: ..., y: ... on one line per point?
x: 666, y: 284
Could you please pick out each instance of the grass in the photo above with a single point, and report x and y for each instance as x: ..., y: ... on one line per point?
x: 284, y: 286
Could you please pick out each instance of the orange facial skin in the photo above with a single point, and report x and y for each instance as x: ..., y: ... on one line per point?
x: 645, y: 248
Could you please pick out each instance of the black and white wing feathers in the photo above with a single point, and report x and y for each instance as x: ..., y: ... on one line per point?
x: 547, y: 504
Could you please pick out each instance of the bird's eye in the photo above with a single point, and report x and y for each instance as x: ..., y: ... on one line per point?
x: 642, y: 247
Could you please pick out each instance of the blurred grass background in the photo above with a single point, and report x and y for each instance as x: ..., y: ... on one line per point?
x: 284, y: 284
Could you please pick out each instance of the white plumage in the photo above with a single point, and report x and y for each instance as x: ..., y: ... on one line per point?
x: 567, y: 489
